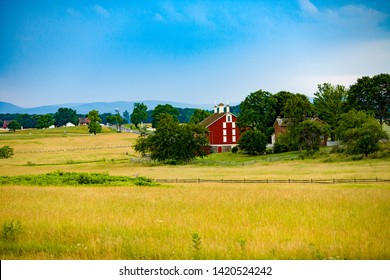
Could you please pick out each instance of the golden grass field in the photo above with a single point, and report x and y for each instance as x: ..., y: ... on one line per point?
x: 234, y: 221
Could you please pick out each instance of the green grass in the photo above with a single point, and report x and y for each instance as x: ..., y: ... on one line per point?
x: 60, y: 178
x: 196, y: 222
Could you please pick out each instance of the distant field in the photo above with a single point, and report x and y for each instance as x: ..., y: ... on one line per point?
x: 113, y: 153
x: 234, y: 221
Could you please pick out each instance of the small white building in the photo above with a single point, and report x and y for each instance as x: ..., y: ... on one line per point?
x: 69, y: 124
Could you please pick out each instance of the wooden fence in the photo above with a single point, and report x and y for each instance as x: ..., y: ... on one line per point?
x: 273, y: 181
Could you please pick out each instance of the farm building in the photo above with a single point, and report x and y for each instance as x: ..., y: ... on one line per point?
x: 84, y: 121
x: 223, y: 133
x: 5, y: 123
x: 281, y: 126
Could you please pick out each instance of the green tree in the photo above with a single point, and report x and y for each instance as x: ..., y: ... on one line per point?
x: 14, y: 125
x: 310, y: 134
x: 65, y: 115
x: 45, y: 121
x: 253, y: 142
x: 371, y: 95
x: 199, y: 115
x: 257, y: 113
x: 126, y: 116
x: 94, y: 122
x: 6, y: 152
x: 330, y: 103
x: 164, y: 109
x: 117, y: 120
x: 140, y: 114
x: 172, y: 142
x: 360, y: 132
x: 298, y: 108
x: 27, y: 121
x: 280, y: 101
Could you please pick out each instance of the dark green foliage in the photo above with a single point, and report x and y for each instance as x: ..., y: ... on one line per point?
x: 371, y: 95
x: 6, y: 152
x: 117, y: 120
x: 139, y: 114
x: 45, y: 121
x: 253, y: 142
x: 126, y: 116
x: 65, y: 115
x: 104, y: 117
x: 330, y: 103
x: 94, y: 125
x: 285, y: 143
x: 60, y: 178
x: 297, y: 109
x: 257, y: 112
x: 173, y: 143
x: 164, y: 109
x: 199, y: 115
x: 27, y: 121
x: 14, y: 125
x: 234, y: 149
x: 310, y: 134
x: 281, y: 99
x: 11, y: 231
x: 360, y: 133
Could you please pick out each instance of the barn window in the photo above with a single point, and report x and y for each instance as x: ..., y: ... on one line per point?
x: 228, y: 118
x: 234, y: 139
x: 224, y: 139
x: 224, y: 125
x: 224, y: 132
x: 233, y: 132
x: 234, y: 125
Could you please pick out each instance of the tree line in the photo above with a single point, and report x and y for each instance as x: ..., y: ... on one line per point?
x: 352, y: 115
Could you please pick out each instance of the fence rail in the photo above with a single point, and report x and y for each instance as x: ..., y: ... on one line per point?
x: 271, y: 181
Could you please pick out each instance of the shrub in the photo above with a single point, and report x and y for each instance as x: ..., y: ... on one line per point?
x: 6, y: 152
x: 11, y: 231
x: 284, y: 143
x: 253, y: 142
x: 235, y: 150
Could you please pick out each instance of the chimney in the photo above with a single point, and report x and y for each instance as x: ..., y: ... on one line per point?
x: 220, y: 108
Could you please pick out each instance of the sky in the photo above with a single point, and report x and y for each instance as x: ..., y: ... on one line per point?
x: 197, y: 52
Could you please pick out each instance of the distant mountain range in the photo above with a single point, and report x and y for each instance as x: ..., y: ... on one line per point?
x: 102, y: 107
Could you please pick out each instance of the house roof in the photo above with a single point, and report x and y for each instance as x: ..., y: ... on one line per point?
x: 211, y: 119
x: 283, y: 122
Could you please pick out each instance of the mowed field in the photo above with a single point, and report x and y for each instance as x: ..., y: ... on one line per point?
x: 233, y: 221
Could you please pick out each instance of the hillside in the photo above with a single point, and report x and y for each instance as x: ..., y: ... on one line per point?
x: 102, y: 107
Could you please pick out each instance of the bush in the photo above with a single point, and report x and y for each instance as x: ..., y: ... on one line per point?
x: 253, y: 142
x: 6, y: 152
x: 235, y: 150
x: 284, y: 143
x: 11, y: 231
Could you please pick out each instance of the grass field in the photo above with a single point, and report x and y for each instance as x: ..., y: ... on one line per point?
x: 234, y: 221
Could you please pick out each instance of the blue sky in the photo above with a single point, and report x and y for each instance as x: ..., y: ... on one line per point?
x: 54, y: 52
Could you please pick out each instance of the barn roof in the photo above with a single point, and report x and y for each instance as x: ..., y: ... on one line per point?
x: 211, y: 119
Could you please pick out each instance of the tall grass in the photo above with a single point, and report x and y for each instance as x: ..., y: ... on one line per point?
x: 198, y: 221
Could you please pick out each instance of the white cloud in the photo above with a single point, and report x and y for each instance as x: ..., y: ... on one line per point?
x: 307, y: 7
x: 99, y: 10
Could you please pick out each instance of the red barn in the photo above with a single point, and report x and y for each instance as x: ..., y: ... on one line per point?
x: 223, y: 133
